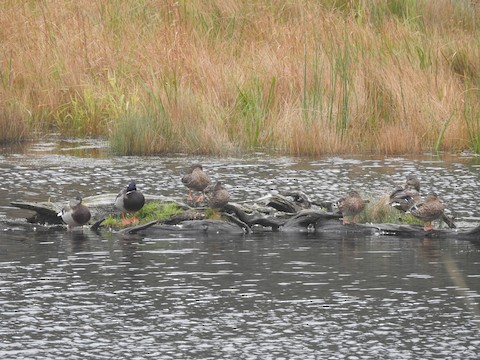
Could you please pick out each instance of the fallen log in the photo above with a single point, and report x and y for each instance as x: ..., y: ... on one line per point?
x: 323, y: 227
x: 197, y: 227
x: 254, y: 217
x: 241, y: 220
x: 407, y: 231
x: 100, y: 206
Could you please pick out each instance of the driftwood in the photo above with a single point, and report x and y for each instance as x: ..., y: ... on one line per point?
x: 100, y: 206
x: 278, y: 214
x: 314, y: 222
x: 205, y: 227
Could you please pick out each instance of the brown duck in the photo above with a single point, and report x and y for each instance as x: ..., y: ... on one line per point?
x: 405, y: 198
x: 196, y: 180
x: 431, y: 209
x: 217, y: 197
x: 75, y: 213
x: 351, y: 205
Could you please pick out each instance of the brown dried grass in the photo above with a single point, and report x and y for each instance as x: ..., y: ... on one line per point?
x: 310, y: 77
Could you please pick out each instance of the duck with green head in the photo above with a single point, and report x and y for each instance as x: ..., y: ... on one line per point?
x: 129, y: 200
x: 403, y: 198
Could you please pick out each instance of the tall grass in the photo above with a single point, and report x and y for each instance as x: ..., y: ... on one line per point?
x: 302, y: 77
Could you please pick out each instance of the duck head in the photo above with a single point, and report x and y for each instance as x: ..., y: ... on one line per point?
x: 131, y: 187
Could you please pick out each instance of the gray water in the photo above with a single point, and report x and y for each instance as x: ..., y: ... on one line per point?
x: 81, y: 295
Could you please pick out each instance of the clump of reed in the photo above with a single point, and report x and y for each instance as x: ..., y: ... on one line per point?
x: 215, y: 77
x: 13, y: 124
x: 170, y: 121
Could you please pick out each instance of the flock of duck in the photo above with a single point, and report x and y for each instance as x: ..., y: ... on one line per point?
x: 406, y: 199
x: 130, y: 200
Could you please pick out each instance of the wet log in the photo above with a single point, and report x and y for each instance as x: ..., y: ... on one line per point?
x: 195, y: 227
x: 186, y: 215
x: 317, y: 224
x: 309, y: 220
x: 240, y: 220
x: 282, y: 203
x: 100, y: 207
x: 133, y: 230
x: 293, y: 201
x: 332, y: 227
x: 45, y: 212
x: 254, y: 217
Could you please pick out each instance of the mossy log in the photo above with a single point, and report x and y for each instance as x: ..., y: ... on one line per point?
x: 280, y: 215
x: 309, y: 221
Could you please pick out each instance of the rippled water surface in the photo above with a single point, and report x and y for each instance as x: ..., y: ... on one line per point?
x: 93, y: 295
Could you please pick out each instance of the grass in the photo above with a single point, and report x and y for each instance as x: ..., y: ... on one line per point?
x: 151, y: 211
x: 155, y: 211
x: 378, y: 211
x: 216, y: 77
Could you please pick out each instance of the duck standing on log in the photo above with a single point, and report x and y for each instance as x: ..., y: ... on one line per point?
x: 431, y: 209
x: 404, y: 199
x: 217, y: 196
x: 196, y: 180
x: 75, y: 213
x: 129, y: 200
x: 351, y: 205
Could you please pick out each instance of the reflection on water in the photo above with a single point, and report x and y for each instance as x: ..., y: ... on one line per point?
x: 88, y: 295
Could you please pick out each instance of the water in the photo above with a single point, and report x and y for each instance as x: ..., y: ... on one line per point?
x: 88, y: 295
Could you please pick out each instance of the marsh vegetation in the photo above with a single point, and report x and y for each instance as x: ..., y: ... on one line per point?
x: 215, y: 77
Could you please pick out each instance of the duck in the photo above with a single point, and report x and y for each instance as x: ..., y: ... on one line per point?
x: 129, y: 200
x: 403, y: 198
x: 351, y: 205
x: 196, y: 180
x: 75, y: 213
x: 217, y: 196
x: 429, y: 210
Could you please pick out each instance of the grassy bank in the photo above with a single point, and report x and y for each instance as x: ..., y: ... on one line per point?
x: 214, y: 77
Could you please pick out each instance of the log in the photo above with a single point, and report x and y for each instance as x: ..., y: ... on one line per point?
x: 100, y: 207
x: 45, y: 212
x: 133, y: 230
x: 309, y: 220
x: 331, y: 227
x: 326, y: 225
x: 254, y: 218
x: 196, y: 227
x: 241, y: 220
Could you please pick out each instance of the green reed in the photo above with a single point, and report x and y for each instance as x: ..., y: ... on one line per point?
x: 252, y: 110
